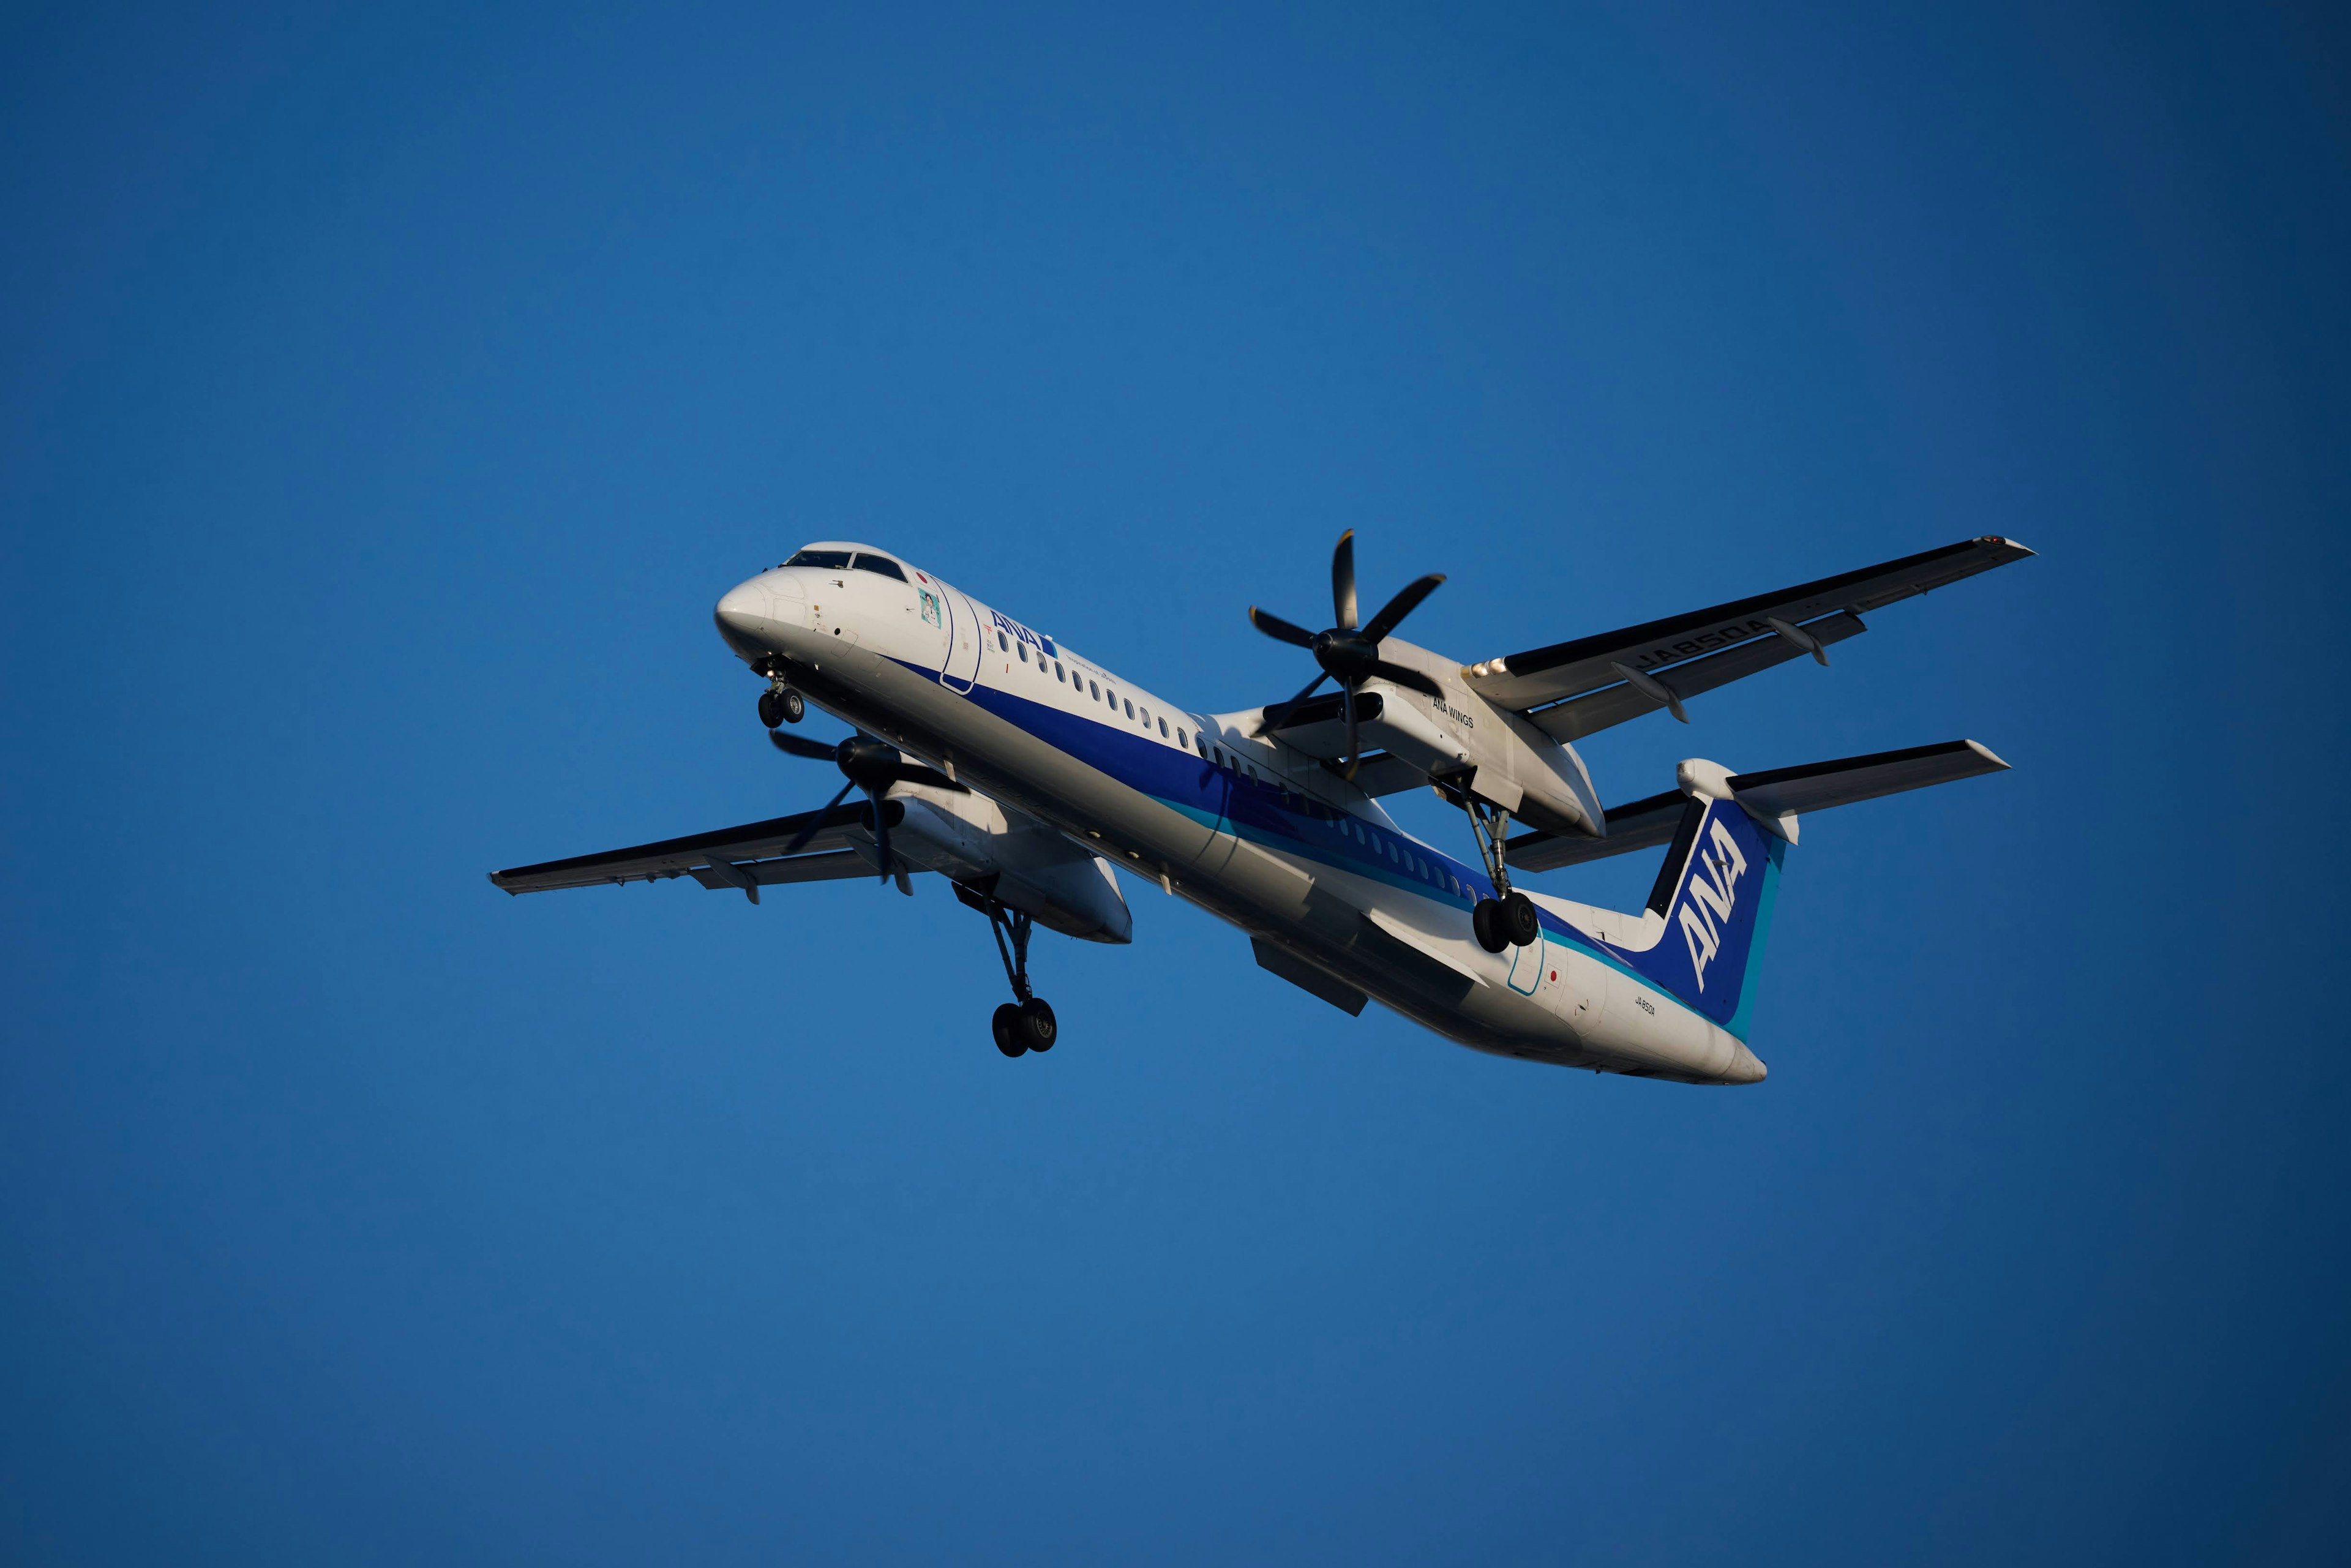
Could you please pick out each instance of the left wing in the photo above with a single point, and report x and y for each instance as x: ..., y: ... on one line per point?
x: 1572, y: 689
x: 749, y: 857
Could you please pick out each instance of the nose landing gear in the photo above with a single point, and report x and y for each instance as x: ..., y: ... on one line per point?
x: 781, y: 705
x: 1026, y: 1022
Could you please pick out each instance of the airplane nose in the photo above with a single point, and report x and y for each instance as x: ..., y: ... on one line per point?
x: 745, y: 614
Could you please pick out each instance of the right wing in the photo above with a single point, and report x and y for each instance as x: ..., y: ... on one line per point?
x: 1572, y: 689
x: 748, y: 857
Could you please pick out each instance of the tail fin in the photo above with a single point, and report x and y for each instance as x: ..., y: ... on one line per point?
x: 1714, y: 893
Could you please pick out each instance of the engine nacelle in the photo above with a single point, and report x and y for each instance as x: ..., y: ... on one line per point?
x: 1497, y: 754
x: 1020, y: 861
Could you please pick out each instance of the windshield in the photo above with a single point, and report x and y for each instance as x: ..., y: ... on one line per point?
x: 827, y: 560
x: 880, y: 563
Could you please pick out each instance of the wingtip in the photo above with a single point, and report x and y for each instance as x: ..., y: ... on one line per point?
x: 1981, y: 749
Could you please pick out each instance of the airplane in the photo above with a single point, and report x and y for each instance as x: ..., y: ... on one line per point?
x: 1023, y: 772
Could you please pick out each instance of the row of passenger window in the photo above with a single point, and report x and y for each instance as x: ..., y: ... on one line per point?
x: 1210, y: 752
x: 1380, y: 844
x: 1093, y: 689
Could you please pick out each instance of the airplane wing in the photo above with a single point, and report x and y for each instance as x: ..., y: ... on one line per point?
x: 749, y: 857
x: 1777, y: 792
x: 1572, y: 689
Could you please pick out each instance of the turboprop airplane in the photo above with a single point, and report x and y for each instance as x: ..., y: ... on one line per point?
x: 1022, y: 772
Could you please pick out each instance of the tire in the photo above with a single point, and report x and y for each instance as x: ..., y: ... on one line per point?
x: 794, y: 707
x: 1035, y: 1028
x: 771, y: 712
x: 1516, y: 920
x: 1006, y: 1026
x: 1484, y: 920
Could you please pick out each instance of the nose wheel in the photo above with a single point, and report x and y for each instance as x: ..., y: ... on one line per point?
x: 781, y: 705
x: 1026, y: 1023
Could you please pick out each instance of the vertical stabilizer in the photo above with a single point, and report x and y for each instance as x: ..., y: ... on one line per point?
x: 1714, y: 893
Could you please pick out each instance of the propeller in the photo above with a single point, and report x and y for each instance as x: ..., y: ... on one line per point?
x: 869, y: 765
x: 1349, y: 654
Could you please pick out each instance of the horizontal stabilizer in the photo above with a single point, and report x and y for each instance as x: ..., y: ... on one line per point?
x: 1781, y: 792
x: 1817, y: 786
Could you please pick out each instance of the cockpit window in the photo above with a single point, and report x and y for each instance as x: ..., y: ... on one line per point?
x: 823, y: 559
x: 881, y: 565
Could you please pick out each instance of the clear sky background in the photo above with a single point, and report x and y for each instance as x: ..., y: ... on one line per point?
x: 386, y: 396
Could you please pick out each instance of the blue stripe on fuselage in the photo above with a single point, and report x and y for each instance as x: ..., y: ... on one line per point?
x: 1228, y: 802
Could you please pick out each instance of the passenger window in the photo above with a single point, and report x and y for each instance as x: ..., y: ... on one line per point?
x: 880, y: 565
x: 1095, y: 689
x: 1003, y: 643
x: 1130, y: 709
x: 1163, y: 730
x: 1057, y: 670
x: 1024, y: 653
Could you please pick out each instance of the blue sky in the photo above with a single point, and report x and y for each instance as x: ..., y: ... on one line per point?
x: 385, y: 396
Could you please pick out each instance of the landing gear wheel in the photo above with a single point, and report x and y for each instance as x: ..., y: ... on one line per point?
x: 792, y: 705
x: 1485, y: 921
x: 771, y: 712
x: 1516, y: 920
x: 1006, y: 1024
x: 1035, y: 1028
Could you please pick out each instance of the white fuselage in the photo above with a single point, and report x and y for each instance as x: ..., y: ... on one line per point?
x: 1258, y: 834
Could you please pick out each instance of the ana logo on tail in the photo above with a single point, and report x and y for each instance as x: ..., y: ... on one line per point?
x: 1707, y: 899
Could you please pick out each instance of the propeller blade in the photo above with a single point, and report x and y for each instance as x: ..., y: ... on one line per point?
x: 1404, y: 677
x: 1402, y: 605
x: 1342, y: 582
x: 915, y: 773
x: 1280, y: 711
x: 805, y: 834
x: 793, y: 745
x: 1353, y: 757
x: 881, y: 833
x: 1275, y: 627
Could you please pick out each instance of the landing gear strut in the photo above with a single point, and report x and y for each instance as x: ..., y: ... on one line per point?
x: 1024, y: 1023
x: 1509, y: 919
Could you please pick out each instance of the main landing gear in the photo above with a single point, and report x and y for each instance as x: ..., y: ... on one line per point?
x: 1026, y: 1023
x: 1510, y: 920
